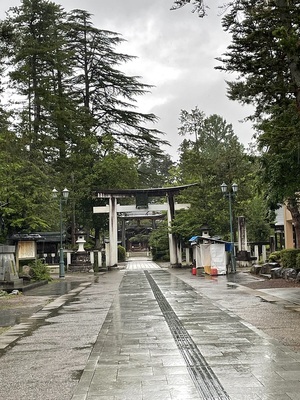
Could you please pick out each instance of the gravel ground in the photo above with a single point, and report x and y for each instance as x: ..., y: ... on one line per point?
x: 21, y: 301
x: 272, y: 284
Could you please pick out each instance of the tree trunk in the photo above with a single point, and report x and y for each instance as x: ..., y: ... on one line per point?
x: 292, y: 53
x: 293, y: 207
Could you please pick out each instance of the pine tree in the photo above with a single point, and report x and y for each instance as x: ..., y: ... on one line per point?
x: 106, y: 93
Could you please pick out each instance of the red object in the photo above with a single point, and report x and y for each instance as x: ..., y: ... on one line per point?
x: 214, y: 271
x: 194, y: 270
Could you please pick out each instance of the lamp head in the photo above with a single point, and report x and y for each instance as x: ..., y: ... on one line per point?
x: 234, y: 187
x: 54, y: 193
x: 65, y: 193
x: 224, y: 188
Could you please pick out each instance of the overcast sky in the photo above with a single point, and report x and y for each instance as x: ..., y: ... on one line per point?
x: 176, y: 53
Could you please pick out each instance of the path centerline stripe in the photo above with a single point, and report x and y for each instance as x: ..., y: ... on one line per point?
x: 205, y: 380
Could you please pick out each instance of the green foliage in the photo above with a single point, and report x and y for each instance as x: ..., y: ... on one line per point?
x: 121, y: 254
x: 257, y: 218
x: 73, y: 116
x: 289, y: 257
x: 115, y: 170
x: 106, y: 93
x: 39, y: 271
x: 199, y: 6
x: 159, y: 243
x: 213, y: 156
x: 298, y: 262
x: 140, y: 238
x: 265, y: 34
x: 279, y: 142
x: 275, y: 256
x: 24, y: 188
x: 154, y: 172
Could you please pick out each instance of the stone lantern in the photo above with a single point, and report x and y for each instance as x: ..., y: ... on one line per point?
x: 81, y: 241
x: 81, y: 259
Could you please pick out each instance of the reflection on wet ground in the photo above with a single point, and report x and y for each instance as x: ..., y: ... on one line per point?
x: 17, y: 314
x: 53, y: 289
x: 10, y: 318
x: 232, y: 280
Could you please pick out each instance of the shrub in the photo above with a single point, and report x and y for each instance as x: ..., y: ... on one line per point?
x: 162, y: 255
x: 298, y: 261
x: 166, y: 257
x: 289, y: 257
x: 121, y: 254
x: 39, y: 271
x: 275, y: 256
x: 159, y: 243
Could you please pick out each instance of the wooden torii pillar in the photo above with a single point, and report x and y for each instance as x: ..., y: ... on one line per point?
x: 113, y: 208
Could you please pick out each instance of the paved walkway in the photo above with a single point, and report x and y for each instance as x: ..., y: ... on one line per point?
x: 209, y: 354
x: 147, y: 332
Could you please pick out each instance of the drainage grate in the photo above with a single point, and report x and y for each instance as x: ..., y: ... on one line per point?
x: 202, y: 375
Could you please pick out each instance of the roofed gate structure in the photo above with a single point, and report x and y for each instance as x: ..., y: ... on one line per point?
x: 141, y: 203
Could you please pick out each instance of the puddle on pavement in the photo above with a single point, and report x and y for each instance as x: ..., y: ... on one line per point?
x: 231, y: 286
x: 76, y: 375
x: 53, y: 289
x: 9, y: 318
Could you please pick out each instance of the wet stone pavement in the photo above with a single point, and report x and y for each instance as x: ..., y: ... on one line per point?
x: 147, y: 332
x: 22, y: 308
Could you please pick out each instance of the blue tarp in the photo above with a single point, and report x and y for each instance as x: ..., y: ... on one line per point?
x: 193, y: 239
x: 228, y: 245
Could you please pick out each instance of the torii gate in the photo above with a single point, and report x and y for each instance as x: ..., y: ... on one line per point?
x: 141, y: 196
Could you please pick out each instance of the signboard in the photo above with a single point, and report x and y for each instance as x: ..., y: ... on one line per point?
x: 26, y: 250
x: 141, y: 200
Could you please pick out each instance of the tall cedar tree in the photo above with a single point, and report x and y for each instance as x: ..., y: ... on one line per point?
x: 107, y: 94
x: 34, y: 48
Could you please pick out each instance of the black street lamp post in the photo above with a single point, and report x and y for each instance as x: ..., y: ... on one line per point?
x: 64, y: 197
x: 230, y: 194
